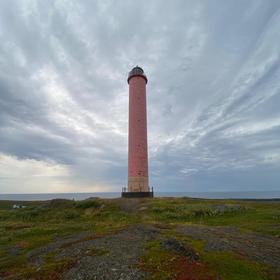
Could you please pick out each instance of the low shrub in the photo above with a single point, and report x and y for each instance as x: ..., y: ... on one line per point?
x: 27, y: 215
x: 218, y: 210
x: 60, y: 203
x: 88, y: 204
x: 69, y: 215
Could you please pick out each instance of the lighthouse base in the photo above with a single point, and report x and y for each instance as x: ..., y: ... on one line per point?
x: 137, y: 194
x: 138, y: 184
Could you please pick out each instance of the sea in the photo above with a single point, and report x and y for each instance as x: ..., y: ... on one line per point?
x: 81, y: 196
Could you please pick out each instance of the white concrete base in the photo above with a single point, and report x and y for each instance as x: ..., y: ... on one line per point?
x: 138, y: 184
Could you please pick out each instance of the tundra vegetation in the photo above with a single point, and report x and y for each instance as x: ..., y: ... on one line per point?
x: 159, y: 238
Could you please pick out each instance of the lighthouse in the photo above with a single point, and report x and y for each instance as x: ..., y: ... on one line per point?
x: 138, y: 175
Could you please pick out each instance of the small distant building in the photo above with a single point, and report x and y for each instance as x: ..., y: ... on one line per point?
x: 18, y: 206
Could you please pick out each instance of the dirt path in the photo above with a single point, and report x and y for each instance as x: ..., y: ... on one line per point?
x: 259, y: 248
x: 131, y: 205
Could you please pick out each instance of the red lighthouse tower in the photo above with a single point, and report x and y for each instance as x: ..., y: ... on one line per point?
x: 138, y: 177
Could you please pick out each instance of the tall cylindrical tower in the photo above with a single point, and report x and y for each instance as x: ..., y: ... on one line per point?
x: 138, y: 177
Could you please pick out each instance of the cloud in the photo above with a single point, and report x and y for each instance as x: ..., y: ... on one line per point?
x: 11, y: 167
x: 213, y: 92
x: 38, y: 176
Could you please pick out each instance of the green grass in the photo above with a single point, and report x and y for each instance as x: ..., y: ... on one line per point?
x: 42, y: 222
x: 232, y: 267
x: 263, y: 217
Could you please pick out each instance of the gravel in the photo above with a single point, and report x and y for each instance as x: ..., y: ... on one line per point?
x: 119, y: 259
x: 114, y: 256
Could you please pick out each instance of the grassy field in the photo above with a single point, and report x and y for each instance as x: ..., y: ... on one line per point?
x: 41, y: 223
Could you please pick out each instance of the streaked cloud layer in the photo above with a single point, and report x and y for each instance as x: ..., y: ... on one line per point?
x: 213, y: 93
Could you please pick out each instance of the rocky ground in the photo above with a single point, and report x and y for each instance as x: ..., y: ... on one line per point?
x: 117, y: 255
x: 114, y: 256
x: 259, y: 248
x: 141, y: 239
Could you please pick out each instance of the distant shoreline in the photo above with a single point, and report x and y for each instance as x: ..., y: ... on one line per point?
x: 246, y: 196
x: 233, y: 199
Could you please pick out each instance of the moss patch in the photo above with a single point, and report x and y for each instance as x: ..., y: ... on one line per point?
x: 163, y: 264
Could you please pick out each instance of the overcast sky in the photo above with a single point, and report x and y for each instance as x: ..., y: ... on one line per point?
x: 213, y: 93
